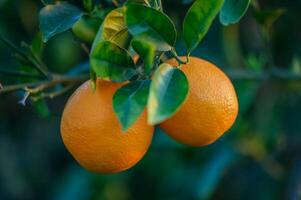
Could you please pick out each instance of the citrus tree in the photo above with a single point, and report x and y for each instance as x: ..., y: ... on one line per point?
x: 137, y: 78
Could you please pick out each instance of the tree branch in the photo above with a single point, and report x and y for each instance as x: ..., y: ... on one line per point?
x: 54, y: 94
x: 57, y: 79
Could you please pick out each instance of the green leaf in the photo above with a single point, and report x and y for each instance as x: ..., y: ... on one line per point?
x: 129, y: 102
x: 37, y: 45
x: 168, y: 91
x: 88, y: 5
x: 110, y: 62
x: 114, y: 29
x: 36, y: 48
x: 151, y: 24
x: 57, y: 18
x: 41, y: 108
x: 233, y: 10
x: 146, y: 50
x: 198, y: 21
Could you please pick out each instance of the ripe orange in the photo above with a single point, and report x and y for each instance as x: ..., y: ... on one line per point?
x: 210, y: 109
x: 92, y: 133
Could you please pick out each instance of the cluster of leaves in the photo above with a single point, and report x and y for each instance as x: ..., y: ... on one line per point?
x: 139, y: 27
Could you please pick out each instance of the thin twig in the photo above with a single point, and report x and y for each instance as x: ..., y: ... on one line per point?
x: 37, y: 58
x: 147, y: 3
x: 85, y: 48
x: 43, y: 2
x: 54, y: 94
x: 160, y: 5
x: 46, y: 84
x: 21, y: 59
x: 115, y: 2
x: 37, y: 89
x: 42, y: 69
x: 179, y: 60
x: 12, y: 46
x: 82, y: 45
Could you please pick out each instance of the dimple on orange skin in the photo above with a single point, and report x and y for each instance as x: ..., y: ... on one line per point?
x: 210, y: 109
x: 92, y: 134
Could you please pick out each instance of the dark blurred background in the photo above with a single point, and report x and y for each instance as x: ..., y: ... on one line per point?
x: 259, y: 158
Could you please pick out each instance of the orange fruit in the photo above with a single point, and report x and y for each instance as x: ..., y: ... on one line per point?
x: 210, y: 109
x: 135, y: 58
x: 91, y: 132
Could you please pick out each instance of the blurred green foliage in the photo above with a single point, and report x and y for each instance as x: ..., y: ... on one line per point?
x: 259, y: 158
